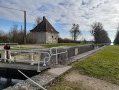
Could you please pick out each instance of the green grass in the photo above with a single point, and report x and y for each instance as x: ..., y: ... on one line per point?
x: 62, y: 44
x: 103, y: 65
x: 52, y: 45
x: 46, y: 46
x: 22, y: 48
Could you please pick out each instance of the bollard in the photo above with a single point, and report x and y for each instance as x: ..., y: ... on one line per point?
x: 7, y: 56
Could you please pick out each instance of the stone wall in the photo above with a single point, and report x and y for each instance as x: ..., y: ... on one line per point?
x: 61, y: 58
x: 51, y: 38
x: 71, y: 51
x: 40, y: 37
x: 44, y: 37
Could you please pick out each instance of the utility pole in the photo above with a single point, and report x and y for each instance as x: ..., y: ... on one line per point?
x: 24, y: 21
x: 24, y: 27
x: 21, y: 28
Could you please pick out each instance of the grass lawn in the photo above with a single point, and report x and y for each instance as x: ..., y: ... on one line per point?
x: 28, y: 47
x: 103, y: 65
x: 61, y: 44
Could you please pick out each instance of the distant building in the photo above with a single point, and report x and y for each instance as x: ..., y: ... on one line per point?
x: 44, y: 33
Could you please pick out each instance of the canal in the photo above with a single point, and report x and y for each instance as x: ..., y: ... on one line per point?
x: 6, y: 82
x: 10, y: 77
x: 112, y: 43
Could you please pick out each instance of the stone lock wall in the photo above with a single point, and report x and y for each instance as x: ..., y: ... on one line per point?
x: 61, y: 58
x: 71, y: 51
x: 79, y: 49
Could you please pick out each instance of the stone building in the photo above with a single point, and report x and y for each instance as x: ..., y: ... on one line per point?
x: 44, y: 33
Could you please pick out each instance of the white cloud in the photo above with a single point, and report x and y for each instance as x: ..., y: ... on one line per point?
x: 82, y: 12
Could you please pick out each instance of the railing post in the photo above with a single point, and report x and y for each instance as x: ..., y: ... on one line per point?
x: 5, y: 57
x: 44, y: 64
x: 38, y: 67
x: 32, y: 59
x: 9, y: 56
x: 32, y: 80
x: 56, y: 57
x: 66, y: 54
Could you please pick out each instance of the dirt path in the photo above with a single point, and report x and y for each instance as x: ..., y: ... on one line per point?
x: 90, y: 83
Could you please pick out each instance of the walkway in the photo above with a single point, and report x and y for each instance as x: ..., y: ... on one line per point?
x: 22, y: 66
x: 90, y: 83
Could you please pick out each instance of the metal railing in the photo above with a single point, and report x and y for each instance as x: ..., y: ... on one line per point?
x: 31, y: 80
x: 49, y: 53
x: 13, y: 54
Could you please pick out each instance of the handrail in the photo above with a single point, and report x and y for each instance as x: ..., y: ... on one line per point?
x: 45, y: 59
x: 31, y: 80
x: 9, y: 43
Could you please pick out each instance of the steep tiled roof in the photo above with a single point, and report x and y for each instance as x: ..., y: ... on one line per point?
x: 44, y: 26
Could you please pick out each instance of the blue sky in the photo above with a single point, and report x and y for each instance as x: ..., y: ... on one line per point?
x: 6, y: 25
x: 62, y: 14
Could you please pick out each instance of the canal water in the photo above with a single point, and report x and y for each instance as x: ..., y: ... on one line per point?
x: 10, y: 77
x: 112, y: 43
x: 6, y: 82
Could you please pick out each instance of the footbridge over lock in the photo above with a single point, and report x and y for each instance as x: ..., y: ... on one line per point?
x: 35, y: 59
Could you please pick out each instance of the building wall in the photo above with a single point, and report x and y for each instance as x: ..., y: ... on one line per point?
x: 51, y: 38
x: 45, y: 37
x: 39, y: 36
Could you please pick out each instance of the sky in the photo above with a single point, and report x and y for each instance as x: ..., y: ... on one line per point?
x: 62, y: 14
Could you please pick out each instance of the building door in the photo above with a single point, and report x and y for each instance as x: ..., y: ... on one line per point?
x: 52, y: 39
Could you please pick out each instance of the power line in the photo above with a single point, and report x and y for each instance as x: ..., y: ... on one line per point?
x: 24, y: 20
x: 12, y: 8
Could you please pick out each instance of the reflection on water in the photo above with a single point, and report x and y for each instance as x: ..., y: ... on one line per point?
x: 112, y: 43
x: 9, y: 77
x: 6, y: 82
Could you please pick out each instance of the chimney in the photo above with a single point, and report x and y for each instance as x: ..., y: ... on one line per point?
x: 43, y: 18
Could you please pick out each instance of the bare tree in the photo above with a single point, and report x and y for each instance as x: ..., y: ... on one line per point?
x: 15, y: 35
x: 100, y: 35
x: 31, y: 39
x: 75, y: 32
x: 2, y: 33
x: 3, y: 37
x: 38, y: 20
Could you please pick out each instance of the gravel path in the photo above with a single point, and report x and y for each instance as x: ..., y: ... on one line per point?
x: 90, y: 83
